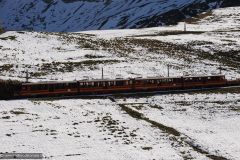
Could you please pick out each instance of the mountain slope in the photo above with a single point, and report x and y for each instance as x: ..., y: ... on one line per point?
x: 206, y: 45
x: 79, y: 15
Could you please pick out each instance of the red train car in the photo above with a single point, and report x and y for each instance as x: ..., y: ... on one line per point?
x: 111, y: 86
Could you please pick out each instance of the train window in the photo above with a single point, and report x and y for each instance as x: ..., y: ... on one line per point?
x: 130, y: 82
x: 151, y: 81
x: 81, y: 84
x: 139, y: 82
x: 167, y: 80
x: 34, y: 87
x: 45, y: 87
x: 120, y: 83
x: 186, y: 79
x: 100, y: 84
x: 176, y: 80
x: 111, y: 83
x: 96, y: 84
x: 90, y: 84
x: 196, y: 79
x: 39, y: 87
x: 60, y: 86
x: 24, y: 88
x: 72, y: 85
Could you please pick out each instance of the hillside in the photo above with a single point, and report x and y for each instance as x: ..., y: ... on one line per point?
x: 63, y: 56
x: 79, y: 15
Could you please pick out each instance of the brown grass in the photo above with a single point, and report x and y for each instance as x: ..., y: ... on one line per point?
x: 194, y: 20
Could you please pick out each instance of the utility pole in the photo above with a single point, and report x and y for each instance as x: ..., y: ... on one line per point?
x: 27, y: 76
x: 220, y: 70
x: 185, y: 27
x: 168, y: 67
x: 102, y: 73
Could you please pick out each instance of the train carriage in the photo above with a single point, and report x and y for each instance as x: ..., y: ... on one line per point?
x: 109, y: 86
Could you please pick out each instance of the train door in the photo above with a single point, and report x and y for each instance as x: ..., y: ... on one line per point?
x: 132, y: 83
x: 78, y: 86
x: 51, y: 88
x: 182, y: 82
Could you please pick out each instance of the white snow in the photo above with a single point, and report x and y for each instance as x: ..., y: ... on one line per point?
x: 71, y: 127
x: 211, y: 120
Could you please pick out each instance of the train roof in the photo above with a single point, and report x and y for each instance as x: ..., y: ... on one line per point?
x: 104, y: 80
x: 199, y: 76
x: 60, y: 82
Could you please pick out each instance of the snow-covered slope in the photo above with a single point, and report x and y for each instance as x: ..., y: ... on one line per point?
x: 99, y: 129
x: 79, y: 15
x: 126, y: 53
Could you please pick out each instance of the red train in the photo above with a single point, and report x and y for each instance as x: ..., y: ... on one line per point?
x: 111, y: 86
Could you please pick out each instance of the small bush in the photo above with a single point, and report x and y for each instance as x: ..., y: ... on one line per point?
x: 1, y: 30
x: 13, y: 38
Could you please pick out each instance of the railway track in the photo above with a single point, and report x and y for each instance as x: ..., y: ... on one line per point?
x: 107, y: 96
